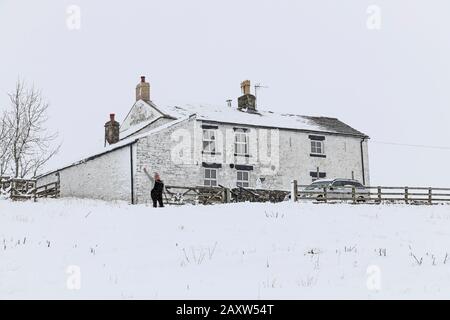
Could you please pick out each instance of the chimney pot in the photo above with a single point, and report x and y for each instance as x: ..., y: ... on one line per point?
x: 245, y: 87
x: 142, y: 78
x: 112, y: 116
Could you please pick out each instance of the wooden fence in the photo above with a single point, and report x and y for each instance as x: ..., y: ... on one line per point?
x: 194, y: 195
x: 50, y: 190
x: 23, y: 189
x: 26, y: 189
x: 366, y: 195
x: 220, y: 194
x: 378, y: 194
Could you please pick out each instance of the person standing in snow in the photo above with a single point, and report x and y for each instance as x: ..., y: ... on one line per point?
x: 157, y: 189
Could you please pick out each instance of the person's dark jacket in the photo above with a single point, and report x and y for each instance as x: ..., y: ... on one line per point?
x: 158, y: 187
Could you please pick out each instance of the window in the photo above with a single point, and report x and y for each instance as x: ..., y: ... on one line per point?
x: 356, y: 184
x: 313, y: 174
x: 209, y: 140
x: 340, y: 184
x: 243, y: 178
x: 210, y: 177
x: 317, y: 147
x: 241, y: 143
x: 318, y: 185
x: 347, y: 184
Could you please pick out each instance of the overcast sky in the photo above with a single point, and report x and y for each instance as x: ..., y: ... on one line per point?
x: 317, y: 57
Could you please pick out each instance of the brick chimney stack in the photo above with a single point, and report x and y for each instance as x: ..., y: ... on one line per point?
x: 143, y: 90
x: 245, y: 87
x: 247, y: 101
x: 112, y: 130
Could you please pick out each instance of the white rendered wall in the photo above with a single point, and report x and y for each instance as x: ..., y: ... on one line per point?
x: 107, y: 177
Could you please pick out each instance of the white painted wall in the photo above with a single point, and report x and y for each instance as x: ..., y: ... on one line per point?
x: 107, y: 177
x: 155, y: 153
x: 141, y: 111
x: 343, y: 155
x: 157, y: 123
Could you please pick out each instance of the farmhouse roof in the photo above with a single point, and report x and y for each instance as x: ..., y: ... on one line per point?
x: 262, y: 118
x: 119, y: 145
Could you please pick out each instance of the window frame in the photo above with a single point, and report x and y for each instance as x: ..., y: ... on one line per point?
x: 244, y: 144
x: 316, y: 145
x: 212, y: 141
x: 244, y: 183
x: 209, y: 179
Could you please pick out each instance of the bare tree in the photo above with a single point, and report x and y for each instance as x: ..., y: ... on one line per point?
x: 30, y: 145
x: 4, y: 145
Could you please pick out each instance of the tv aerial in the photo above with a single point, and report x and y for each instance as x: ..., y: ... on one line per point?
x: 257, y: 87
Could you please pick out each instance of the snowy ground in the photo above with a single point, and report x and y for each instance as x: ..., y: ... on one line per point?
x: 256, y: 251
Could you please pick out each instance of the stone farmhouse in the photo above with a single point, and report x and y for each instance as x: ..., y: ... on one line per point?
x: 211, y: 146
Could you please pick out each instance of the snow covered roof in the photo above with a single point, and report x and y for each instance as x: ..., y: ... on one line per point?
x: 116, y: 146
x: 136, y: 128
x: 142, y: 114
x: 227, y: 115
x: 263, y: 119
x: 323, y: 181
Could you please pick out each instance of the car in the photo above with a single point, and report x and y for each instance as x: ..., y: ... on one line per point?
x: 336, y: 189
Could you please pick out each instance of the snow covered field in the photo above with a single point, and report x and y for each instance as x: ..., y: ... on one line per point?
x: 71, y: 249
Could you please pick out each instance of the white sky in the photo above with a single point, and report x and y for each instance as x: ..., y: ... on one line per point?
x: 317, y: 57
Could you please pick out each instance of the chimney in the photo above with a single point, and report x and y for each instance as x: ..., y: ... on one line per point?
x: 247, y: 101
x: 245, y: 87
x: 112, y: 132
x: 143, y: 90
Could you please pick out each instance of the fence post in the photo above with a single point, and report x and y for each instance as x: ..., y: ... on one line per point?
x: 406, y: 195
x: 325, y: 194
x: 294, y: 190
x: 379, y: 194
x: 430, y: 197
x: 11, y: 190
x: 354, y: 194
x: 226, y: 195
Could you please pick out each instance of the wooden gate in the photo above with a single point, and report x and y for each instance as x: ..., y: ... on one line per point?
x: 26, y: 189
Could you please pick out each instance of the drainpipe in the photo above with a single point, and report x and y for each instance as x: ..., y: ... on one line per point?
x: 132, y: 174
x: 362, y: 162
